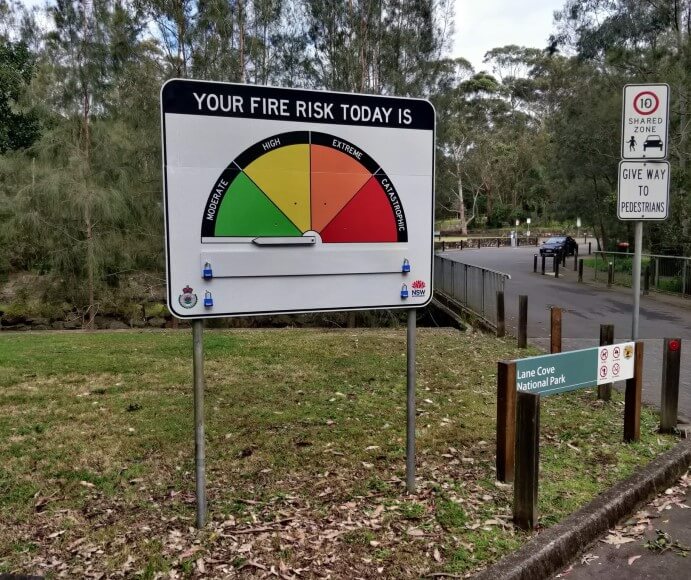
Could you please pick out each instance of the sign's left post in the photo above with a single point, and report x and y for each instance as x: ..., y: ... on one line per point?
x: 199, y: 452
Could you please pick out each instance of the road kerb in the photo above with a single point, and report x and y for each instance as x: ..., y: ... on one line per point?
x: 551, y: 550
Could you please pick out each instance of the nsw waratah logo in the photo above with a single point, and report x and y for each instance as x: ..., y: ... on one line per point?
x: 418, y: 288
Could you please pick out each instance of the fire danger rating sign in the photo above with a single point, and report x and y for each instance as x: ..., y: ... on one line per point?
x: 287, y: 200
x: 645, y: 120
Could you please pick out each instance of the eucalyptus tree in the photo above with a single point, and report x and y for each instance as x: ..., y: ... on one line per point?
x: 642, y: 41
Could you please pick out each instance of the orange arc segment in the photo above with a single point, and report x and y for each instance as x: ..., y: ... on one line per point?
x: 336, y: 178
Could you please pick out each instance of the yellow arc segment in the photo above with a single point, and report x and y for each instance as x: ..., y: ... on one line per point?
x: 283, y: 174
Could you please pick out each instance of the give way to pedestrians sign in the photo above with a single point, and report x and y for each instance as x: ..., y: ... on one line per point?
x: 643, y: 190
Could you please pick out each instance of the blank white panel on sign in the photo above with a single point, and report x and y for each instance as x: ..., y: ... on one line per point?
x: 284, y: 261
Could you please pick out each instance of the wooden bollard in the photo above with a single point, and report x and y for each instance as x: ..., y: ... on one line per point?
x: 555, y: 330
x: 590, y: 248
x: 527, y: 459
x: 632, y: 398
x: 555, y: 265
x: 610, y: 274
x: 580, y: 270
x: 604, y: 392
x: 543, y: 264
x: 506, y: 419
x: 534, y: 262
x: 523, y: 321
x: 669, y: 399
x: 575, y: 261
x: 563, y: 258
x: 501, y: 321
x: 646, y: 280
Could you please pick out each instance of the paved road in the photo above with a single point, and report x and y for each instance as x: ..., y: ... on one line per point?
x: 585, y: 308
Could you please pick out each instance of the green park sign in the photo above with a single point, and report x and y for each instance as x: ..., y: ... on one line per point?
x: 567, y: 371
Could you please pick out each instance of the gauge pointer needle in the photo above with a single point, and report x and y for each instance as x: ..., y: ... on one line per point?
x: 285, y: 241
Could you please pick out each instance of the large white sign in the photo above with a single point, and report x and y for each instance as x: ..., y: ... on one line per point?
x: 645, y: 120
x: 282, y: 200
x: 643, y: 192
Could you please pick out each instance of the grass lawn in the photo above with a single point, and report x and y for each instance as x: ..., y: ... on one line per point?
x: 305, y: 454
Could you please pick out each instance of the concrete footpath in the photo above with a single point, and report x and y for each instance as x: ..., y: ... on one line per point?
x: 654, y: 543
x: 597, y: 531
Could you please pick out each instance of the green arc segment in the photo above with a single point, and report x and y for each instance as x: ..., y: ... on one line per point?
x: 247, y: 211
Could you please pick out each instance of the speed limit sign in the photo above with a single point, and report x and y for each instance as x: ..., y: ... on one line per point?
x: 644, y: 122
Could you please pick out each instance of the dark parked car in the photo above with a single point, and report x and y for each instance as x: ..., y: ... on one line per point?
x: 652, y: 141
x: 559, y: 245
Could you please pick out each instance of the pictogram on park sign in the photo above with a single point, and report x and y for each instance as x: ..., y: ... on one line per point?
x: 645, y: 120
x: 284, y: 200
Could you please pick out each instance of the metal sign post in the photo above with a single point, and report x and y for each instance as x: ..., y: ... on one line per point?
x: 643, y: 187
x: 410, y: 403
x: 637, y: 258
x: 199, y: 455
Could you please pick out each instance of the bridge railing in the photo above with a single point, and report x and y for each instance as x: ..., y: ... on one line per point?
x: 472, y: 287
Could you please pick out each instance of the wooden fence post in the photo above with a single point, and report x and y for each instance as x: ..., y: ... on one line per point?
x: 525, y: 485
x: 555, y: 330
x: 632, y: 398
x: 669, y: 399
x: 604, y: 392
x: 523, y: 321
x: 501, y: 323
x: 506, y: 419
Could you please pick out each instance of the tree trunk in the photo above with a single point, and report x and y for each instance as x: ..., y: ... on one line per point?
x: 461, y: 202
x: 90, y: 265
x: 603, y: 231
x: 241, y: 25
x: 86, y: 145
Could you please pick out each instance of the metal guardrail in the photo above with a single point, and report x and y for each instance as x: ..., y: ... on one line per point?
x: 670, y: 274
x: 484, y: 242
x: 472, y: 287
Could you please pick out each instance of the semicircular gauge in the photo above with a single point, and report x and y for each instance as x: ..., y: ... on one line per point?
x: 301, y: 182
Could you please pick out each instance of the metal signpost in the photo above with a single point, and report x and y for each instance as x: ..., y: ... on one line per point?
x: 288, y: 201
x: 643, y: 191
